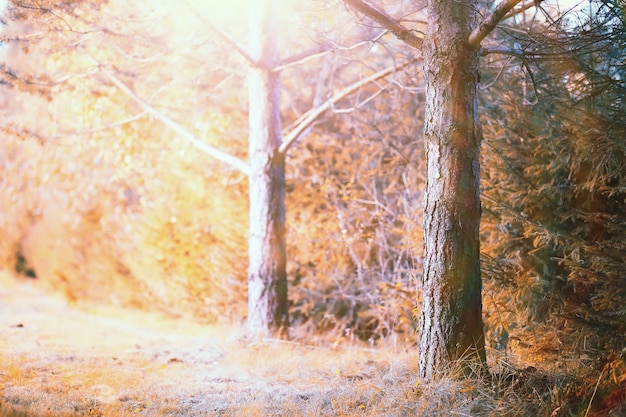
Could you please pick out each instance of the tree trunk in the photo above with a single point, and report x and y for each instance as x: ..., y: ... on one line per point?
x: 267, y: 280
x: 451, y: 323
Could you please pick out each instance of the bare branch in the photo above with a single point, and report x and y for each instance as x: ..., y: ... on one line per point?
x: 490, y: 22
x: 405, y: 35
x: 518, y: 53
x: 313, y: 114
x: 484, y: 87
x: 109, y: 126
x: 523, y: 7
x: 230, y: 41
x: 302, y: 57
x: 204, y: 147
x: 328, y: 46
x: 240, y: 49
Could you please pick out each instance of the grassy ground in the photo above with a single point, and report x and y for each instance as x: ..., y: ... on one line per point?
x: 60, y: 360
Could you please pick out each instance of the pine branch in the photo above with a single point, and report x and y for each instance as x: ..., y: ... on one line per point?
x: 517, y: 53
x: 490, y: 22
x: 523, y: 7
x: 405, y: 35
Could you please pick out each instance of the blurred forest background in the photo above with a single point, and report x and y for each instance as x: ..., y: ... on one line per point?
x: 104, y: 203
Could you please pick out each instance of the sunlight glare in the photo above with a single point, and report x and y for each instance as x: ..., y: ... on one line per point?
x: 220, y: 11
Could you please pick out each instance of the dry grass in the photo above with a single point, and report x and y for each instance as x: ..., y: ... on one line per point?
x: 59, y: 360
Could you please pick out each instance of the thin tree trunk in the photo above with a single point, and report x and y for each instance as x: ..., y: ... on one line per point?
x: 267, y: 281
x: 451, y: 325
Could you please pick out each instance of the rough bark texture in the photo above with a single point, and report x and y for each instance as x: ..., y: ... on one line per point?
x: 451, y: 325
x: 267, y: 281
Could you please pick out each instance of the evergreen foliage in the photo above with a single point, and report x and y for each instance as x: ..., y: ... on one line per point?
x: 555, y: 196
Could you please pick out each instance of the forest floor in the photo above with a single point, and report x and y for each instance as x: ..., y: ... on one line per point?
x: 60, y: 360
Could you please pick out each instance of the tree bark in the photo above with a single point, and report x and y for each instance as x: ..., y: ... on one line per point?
x: 267, y: 280
x: 451, y: 323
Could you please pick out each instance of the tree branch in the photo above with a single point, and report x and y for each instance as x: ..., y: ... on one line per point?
x: 405, y: 35
x: 296, y: 59
x: 101, y: 128
x: 204, y: 147
x: 490, y: 22
x: 230, y: 41
x: 240, y: 49
x: 523, y: 7
x: 517, y: 53
x: 313, y: 114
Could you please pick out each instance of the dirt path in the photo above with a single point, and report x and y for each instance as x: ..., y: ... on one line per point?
x: 57, y: 360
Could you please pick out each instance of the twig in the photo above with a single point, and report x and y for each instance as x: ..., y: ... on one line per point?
x: 104, y: 127
x: 594, y: 392
x: 230, y: 41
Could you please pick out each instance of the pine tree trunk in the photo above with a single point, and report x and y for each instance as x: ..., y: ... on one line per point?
x: 267, y: 281
x: 451, y: 322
